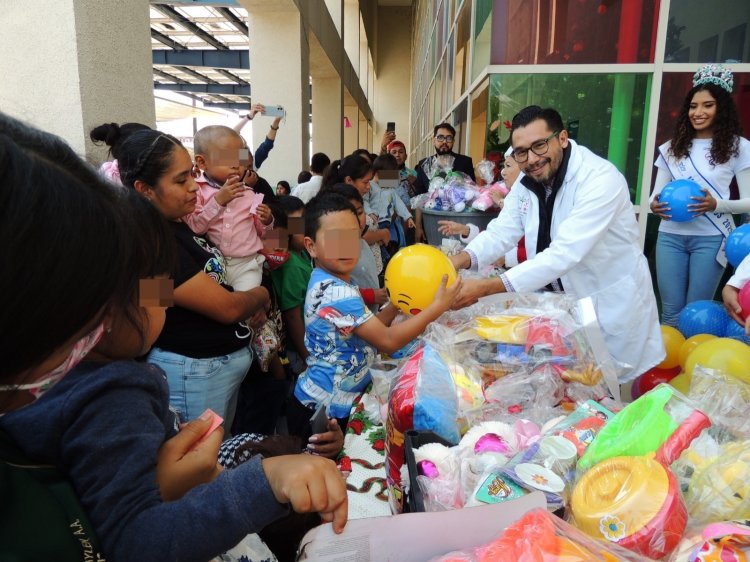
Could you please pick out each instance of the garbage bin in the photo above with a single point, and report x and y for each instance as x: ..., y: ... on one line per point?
x: 430, y: 219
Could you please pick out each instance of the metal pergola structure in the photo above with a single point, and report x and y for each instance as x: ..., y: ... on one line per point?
x: 200, y: 49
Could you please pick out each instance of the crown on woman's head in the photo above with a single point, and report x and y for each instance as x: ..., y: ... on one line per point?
x: 714, y: 73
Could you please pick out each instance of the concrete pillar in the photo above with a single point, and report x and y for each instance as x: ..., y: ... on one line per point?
x: 280, y: 72
x: 328, y: 116
x: 70, y: 65
x: 351, y: 134
x: 393, y: 73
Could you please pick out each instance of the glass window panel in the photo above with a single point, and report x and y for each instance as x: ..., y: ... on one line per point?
x: 674, y: 88
x: 482, y: 36
x: 604, y: 112
x: 580, y: 32
x: 708, y: 31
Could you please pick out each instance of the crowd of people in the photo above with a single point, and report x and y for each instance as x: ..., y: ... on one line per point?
x: 186, y: 289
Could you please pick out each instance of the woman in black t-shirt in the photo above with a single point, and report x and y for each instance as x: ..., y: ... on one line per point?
x: 204, y: 347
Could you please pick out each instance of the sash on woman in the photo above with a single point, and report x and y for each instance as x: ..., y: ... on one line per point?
x: 722, y: 222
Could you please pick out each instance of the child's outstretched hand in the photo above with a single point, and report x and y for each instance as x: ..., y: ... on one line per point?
x: 446, y: 297
x: 231, y: 190
x: 329, y: 443
x: 410, y: 223
x: 183, y: 463
x: 309, y: 484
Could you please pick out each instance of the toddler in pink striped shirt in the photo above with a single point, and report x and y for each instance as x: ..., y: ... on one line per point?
x: 227, y: 211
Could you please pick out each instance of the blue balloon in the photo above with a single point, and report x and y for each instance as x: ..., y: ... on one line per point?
x: 703, y: 317
x: 736, y: 332
x: 677, y: 194
x: 738, y: 245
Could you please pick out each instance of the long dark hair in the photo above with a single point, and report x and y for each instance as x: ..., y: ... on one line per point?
x: 146, y: 156
x: 726, y: 127
x: 352, y: 166
x: 65, y: 258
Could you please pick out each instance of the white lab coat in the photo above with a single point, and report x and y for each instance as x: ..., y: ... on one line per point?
x: 594, y: 251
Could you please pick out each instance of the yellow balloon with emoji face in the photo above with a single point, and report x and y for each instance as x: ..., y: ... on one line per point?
x: 414, y: 274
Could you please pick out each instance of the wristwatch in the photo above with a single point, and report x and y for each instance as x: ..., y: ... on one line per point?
x: 275, y: 128
x: 247, y: 116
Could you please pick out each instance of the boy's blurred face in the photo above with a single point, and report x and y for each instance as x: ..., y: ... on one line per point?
x: 336, y: 244
x: 225, y: 157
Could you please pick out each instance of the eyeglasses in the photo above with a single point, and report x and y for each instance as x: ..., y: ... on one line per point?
x: 444, y: 138
x: 539, y: 148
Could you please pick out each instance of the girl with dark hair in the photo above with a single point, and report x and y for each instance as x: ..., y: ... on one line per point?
x: 706, y: 147
x: 283, y: 188
x: 113, y: 135
x: 354, y: 170
x: 204, y: 345
x: 152, y: 490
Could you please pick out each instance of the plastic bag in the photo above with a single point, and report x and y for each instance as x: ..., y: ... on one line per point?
x: 725, y: 399
x: 423, y: 397
x: 720, y: 541
x: 541, y: 537
x: 266, y: 343
x: 486, y: 170
x: 636, y: 501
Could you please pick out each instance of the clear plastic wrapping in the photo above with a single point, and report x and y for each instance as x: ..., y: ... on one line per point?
x: 541, y: 537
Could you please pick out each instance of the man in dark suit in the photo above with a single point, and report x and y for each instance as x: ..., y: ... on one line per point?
x: 443, y: 138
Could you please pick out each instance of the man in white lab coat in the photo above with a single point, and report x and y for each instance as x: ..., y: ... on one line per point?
x: 581, y: 237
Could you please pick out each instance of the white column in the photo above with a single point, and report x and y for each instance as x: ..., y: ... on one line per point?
x: 328, y: 116
x: 70, y: 65
x: 280, y: 75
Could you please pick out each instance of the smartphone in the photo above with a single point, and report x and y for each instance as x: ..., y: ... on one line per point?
x: 319, y: 420
x: 274, y: 111
x: 390, y: 126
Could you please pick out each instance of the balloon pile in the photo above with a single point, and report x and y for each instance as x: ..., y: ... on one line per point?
x: 413, y: 276
x: 703, y: 317
x: 678, y: 194
x: 707, y: 337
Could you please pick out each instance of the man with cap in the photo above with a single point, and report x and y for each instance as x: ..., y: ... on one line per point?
x: 443, y: 137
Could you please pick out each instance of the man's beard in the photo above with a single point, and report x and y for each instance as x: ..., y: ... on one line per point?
x: 444, y: 150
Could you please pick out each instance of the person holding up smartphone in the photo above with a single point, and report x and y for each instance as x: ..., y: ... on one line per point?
x: 261, y: 153
x: 388, y: 136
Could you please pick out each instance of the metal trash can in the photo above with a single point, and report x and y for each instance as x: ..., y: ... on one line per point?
x: 430, y: 219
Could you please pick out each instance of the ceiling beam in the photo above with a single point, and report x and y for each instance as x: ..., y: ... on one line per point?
x: 177, y: 17
x: 213, y: 89
x: 233, y: 59
x: 234, y: 20
x: 168, y: 41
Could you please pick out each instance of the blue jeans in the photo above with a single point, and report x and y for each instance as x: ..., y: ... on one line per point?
x: 686, y: 271
x: 197, y: 384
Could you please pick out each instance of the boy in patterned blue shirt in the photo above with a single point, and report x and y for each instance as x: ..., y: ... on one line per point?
x: 341, y: 334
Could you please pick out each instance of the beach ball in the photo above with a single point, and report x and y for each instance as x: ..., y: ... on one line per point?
x: 673, y: 341
x: 738, y: 245
x: 690, y: 344
x: 703, y: 317
x: 414, y: 274
x: 736, y: 332
x: 678, y: 195
x: 723, y: 354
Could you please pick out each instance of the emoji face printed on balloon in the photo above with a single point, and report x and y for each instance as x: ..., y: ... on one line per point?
x: 413, y: 276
